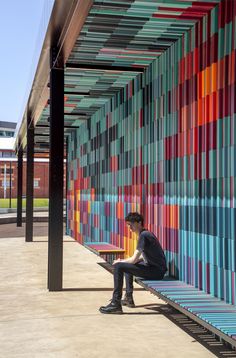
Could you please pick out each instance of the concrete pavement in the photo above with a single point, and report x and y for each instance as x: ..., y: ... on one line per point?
x: 8, y: 218
x: 11, y: 231
x: 38, y: 323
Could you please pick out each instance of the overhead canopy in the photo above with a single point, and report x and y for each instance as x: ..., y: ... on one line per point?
x: 103, y: 45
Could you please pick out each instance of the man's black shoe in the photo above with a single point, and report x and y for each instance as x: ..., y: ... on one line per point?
x: 112, y: 308
x: 128, y: 301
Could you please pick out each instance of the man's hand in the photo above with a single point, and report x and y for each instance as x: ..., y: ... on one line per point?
x: 116, y: 261
x: 130, y: 260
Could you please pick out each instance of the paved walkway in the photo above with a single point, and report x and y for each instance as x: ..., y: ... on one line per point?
x: 8, y: 218
x: 38, y: 323
x: 12, y: 231
x: 14, y: 215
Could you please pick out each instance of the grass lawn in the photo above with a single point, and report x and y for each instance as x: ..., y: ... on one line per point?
x: 38, y: 203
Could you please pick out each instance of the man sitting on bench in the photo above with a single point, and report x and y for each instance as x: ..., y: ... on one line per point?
x: 148, y: 262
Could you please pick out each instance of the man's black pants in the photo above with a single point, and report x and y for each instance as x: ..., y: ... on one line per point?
x: 129, y: 270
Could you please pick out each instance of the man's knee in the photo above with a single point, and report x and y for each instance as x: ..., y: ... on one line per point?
x: 120, y: 266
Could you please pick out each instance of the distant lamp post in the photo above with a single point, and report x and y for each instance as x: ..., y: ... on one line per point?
x: 10, y: 187
x: 5, y: 181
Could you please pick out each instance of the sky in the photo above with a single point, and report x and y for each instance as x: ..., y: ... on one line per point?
x: 23, y: 24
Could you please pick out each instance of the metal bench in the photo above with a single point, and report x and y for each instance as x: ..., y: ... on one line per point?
x: 214, y: 314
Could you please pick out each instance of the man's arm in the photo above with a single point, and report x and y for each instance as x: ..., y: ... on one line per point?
x: 131, y: 260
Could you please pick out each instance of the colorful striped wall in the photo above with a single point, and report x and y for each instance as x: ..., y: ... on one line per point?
x: 165, y: 146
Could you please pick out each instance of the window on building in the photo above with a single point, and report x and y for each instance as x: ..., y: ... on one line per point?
x: 6, y: 134
x: 8, y: 154
x: 5, y: 183
x: 8, y: 171
x: 36, y: 183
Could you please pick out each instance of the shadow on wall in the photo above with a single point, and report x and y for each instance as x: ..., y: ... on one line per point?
x: 173, y: 270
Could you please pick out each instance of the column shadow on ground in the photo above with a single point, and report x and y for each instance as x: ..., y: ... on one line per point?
x: 198, y: 333
x: 84, y: 289
x: 94, y: 289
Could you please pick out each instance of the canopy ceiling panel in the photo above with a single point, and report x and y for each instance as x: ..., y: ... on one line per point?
x: 85, y: 92
x: 133, y: 33
x: 117, y: 41
x: 100, y: 86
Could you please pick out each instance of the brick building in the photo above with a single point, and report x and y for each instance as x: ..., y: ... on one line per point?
x: 8, y: 172
x: 8, y: 167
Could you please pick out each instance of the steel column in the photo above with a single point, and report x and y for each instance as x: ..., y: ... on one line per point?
x: 67, y: 153
x: 29, y: 182
x: 55, y: 228
x: 19, y: 187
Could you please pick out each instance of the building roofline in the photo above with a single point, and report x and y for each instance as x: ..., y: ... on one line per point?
x: 8, y: 125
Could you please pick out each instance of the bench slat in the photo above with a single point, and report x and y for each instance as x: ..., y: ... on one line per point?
x: 217, y: 315
x: 103, y: 247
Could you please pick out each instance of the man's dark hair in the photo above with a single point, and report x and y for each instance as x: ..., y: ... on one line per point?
x: 134, y: 217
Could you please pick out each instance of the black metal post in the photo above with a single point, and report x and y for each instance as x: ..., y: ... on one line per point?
x: 10, y: 187
x: 67, y: 145
x: 55, y: 227
x: 29, y: 182
x: 19, y: 187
